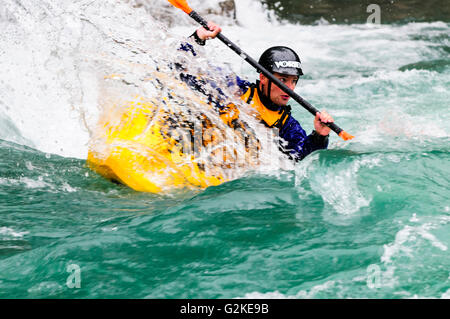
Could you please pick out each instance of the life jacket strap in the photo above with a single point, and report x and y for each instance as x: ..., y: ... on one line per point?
x: 252, y: 93
x: 286, y: 111
x: 280, y: 122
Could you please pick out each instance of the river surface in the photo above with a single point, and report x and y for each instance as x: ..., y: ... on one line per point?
x: 367, y: 218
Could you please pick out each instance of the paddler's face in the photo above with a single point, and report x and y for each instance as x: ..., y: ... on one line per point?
x: 278, y: 96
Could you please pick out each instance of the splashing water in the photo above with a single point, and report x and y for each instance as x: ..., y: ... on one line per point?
x: 109, y: 65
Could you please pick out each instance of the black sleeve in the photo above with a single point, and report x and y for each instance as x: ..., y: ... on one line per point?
x: 197, y: 39
x: 319, y: 140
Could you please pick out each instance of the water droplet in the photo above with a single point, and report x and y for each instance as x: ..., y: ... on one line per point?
x: 29, y: 165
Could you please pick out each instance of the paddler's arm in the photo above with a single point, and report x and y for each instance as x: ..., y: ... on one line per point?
x: 319, y: 123
x: 200, y: 36
x: 297, y: 144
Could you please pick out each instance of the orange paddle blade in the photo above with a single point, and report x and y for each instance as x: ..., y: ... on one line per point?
x: 181, y: 4
x: 345, y: 136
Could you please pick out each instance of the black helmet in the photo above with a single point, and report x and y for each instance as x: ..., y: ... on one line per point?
x: 281, y: 60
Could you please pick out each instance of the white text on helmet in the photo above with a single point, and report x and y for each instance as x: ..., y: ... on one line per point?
x: 288, y: 64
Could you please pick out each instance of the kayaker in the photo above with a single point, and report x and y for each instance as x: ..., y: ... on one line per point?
x: 270, y: 101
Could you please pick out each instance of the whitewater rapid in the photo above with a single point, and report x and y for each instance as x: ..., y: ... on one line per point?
x: 367, y: 218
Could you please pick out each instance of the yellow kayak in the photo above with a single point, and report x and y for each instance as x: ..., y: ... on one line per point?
x: 157, y: 148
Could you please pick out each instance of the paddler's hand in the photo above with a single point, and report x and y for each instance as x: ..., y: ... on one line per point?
x: 204, y: 34
x: 320, y: 119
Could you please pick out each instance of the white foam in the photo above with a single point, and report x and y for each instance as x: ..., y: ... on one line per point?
x: 32, y: 183
x: 67, y: 188
x: 446, y: 295
x: 398, y: 246
x: 302, y: 294
x: 5, y: 181
x: 268, y: 295
x: 407, y: 238
x: 9, y: 232
x: 27, y: 182
x: 338, y: 185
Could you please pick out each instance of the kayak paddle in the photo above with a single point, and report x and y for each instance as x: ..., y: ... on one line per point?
x: 182, y: 4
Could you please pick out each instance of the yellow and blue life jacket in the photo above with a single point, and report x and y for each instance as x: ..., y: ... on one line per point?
x: 294, y: 141
x: 269, y: 117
